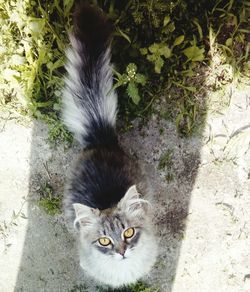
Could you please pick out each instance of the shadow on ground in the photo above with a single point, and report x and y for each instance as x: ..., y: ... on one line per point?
x: 49, y: 261
x: 172, y: 164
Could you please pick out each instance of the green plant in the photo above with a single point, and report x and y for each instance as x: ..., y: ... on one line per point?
x: 131, y: 79
x: 48, y: 200
x: 155, y: 54
x: 166, y: 160
x: 138, y: 287
x: 166, y: 163
x: 5, y: 226
x: 79, y: 288
x: 168, y: 42
x: 33, y: 39
x: 57, y: 131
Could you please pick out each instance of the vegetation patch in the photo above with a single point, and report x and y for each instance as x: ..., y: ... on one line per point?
x: 138, y: 287
x: 50, y: 202
x: 176, y: 49
x: 166, y: 163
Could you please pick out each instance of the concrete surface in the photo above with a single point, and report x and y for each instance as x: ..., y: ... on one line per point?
x: 202, y: 209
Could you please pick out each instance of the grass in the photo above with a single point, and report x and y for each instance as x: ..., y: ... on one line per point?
x: 166, y: 160
x: 175, y: 51
x: 57, y: 131
x: 6, y: 226
x: 49, y: 201
x: 138, y: 287
x: 166, y: 163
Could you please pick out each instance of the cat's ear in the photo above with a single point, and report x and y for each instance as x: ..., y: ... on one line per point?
x: 85, y: 216
x: 132, y: 204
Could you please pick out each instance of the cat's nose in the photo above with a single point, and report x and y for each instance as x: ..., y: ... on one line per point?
x: 121, y: 250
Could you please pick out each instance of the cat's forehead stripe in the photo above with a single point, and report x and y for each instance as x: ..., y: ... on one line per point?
x: 112, y: 224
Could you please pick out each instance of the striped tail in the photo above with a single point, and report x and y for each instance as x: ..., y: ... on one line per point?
x: 89, y: 103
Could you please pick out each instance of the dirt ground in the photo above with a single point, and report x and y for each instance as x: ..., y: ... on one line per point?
x: 200, y: 189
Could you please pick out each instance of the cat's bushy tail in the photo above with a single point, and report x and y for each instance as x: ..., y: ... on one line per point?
x: 89, y: 103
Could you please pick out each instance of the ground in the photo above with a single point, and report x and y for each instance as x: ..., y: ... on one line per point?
x: 200, y: 188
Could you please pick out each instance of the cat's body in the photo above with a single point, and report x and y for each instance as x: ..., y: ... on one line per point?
x: 116, y: 239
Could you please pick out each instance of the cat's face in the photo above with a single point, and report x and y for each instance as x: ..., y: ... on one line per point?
x: 117, y: 236
x: 117, y: 247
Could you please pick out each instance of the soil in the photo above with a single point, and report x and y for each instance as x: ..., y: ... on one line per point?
x: 201, y: 198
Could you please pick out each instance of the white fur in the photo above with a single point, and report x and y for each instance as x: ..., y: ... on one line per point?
x: 75, y: 115
x: 132, y: 204
x: 114, y: 270
x: 85, y: 215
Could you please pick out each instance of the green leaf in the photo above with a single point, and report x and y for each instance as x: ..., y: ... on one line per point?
x: 165, y: 51
x: 119, y: 75
x: 132, y: 91
x: 178, y: 40
x: 140, y: 78
x: 56, y: 106
x: 67, y: 5
x: 123, y: 34
x: 154, y: 48
x: 229, y: 42
x: 36, y: 26
x: 119, y: 83
x: 171, y: 27
x: 131, y: 68
x: 59, y: 63
x: 194, y: 53
x: 144, y: 51
x: 151, y: 58
x: 198, y: 28
x: 158, y: 65
x: 191, y: 88
x: 166, y: 20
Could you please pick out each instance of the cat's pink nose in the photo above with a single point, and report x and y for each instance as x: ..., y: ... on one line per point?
x: 121, y: 250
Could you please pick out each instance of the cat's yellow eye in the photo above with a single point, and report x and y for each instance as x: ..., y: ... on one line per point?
x: 128, y: 233
x: 104, y: 241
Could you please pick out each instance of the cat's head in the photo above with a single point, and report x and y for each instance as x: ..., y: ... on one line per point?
x: 122, y: 238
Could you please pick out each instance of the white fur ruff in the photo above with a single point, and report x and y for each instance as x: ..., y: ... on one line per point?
x: 116, y: 271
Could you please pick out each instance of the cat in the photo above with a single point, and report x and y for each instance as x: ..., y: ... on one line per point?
x: 113, y: 224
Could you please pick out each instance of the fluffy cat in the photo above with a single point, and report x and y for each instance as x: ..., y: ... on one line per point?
x: 117, y: 245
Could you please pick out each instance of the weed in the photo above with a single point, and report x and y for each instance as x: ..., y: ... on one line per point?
x: 138, y: 287
x: 48, y: 201
x: 79, y: 288
x: 166, y: 163
x: 161, y: 131
x: 6, y: 226
x: 131, y: 79
x: 159, y: 47
x: 166, y: 160
x: 57, y: 131
x: 169, y: 177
